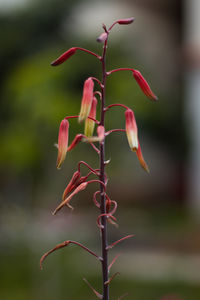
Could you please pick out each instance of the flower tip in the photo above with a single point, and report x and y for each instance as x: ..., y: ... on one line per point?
x: 64, y: 57
x: 144, y: 85
x: 54, y: 63
x: 134, y: 149
x: 126, y: 21
x: 86, y: 99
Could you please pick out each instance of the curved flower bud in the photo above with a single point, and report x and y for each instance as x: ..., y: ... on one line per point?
x: 71, y: 185
x: 126, y: 21
x: 64, y: 57
x: 66, y: 201
x: 144, y: 85
x: 62, y: 142
x: 141, y: 159
x: 89, y: 124
x: 131, y: 129
x: 86, y: 99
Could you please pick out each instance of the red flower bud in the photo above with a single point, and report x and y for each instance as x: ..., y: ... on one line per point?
x: 76, y: 140
x: 62, y: 142
x: 81, y: 187
x: 86, y: 99
x: 141, y: 159
x: 90, y: 124
x: 131, y: 129
x: 64, y: 57
x: 144, y: 85
x: 126, y: 21
x: 71, y: 185
x: 102, y: 37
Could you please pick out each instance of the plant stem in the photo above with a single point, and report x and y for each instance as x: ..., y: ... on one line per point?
x: 102, y: 178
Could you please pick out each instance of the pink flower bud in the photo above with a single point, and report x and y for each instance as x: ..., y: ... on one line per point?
x: 101, y: 132
x: 141, y: 159
x: 76, y: 140
x: 126, y: 21
x: 144, y: 85
x: 64, y: 57
x: 62, y: 142
x: 131, y: 129
x: 86, y: 99
x: 71, y: 185
x: 90, y: 124
x: 102, y: 37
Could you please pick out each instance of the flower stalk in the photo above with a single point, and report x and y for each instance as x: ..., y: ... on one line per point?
x: 78, y: 182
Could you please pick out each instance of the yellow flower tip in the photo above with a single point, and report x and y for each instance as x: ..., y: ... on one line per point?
x: 86, y: 99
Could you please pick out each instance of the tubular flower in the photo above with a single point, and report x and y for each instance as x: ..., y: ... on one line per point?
x: 141, y: 159
x: 131, y: 129
x: 144, y: 85
x: 62, y: 142
x: 64, y: 57
x: 89, y: 124
x: 86, y: 99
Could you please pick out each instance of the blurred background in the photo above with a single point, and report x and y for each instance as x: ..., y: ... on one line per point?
x: 163, y: 261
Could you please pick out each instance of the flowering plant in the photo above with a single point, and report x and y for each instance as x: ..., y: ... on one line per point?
x: 87, y: 115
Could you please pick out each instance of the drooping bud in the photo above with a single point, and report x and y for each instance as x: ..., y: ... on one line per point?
x: 131, y: 129
x: 81, y: 187
x: 126, y: 21
x: 76, y: 140
x: 141, y: 159
x: 144, y: 85
x: 89, y: 124
x: 86, y: 99
x: 64, y: 57
x: 71, y: 185
x: 102, y: 37
x: 62, y: 142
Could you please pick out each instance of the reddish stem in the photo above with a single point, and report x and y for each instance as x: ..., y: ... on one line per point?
x: 95, y: 199
x: 104, y: 241
x: 88, y: 166
x: 113, y: 261
x: 98, y: 93
x: 76, y: 117
x: 98, y: 81
x: 116, y: 104
x: 119, y: 69
x: 101, y: 183
x: 120, y: 240
x: 114, y: 130
x: 64, y: 244
x: 90, y: 52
